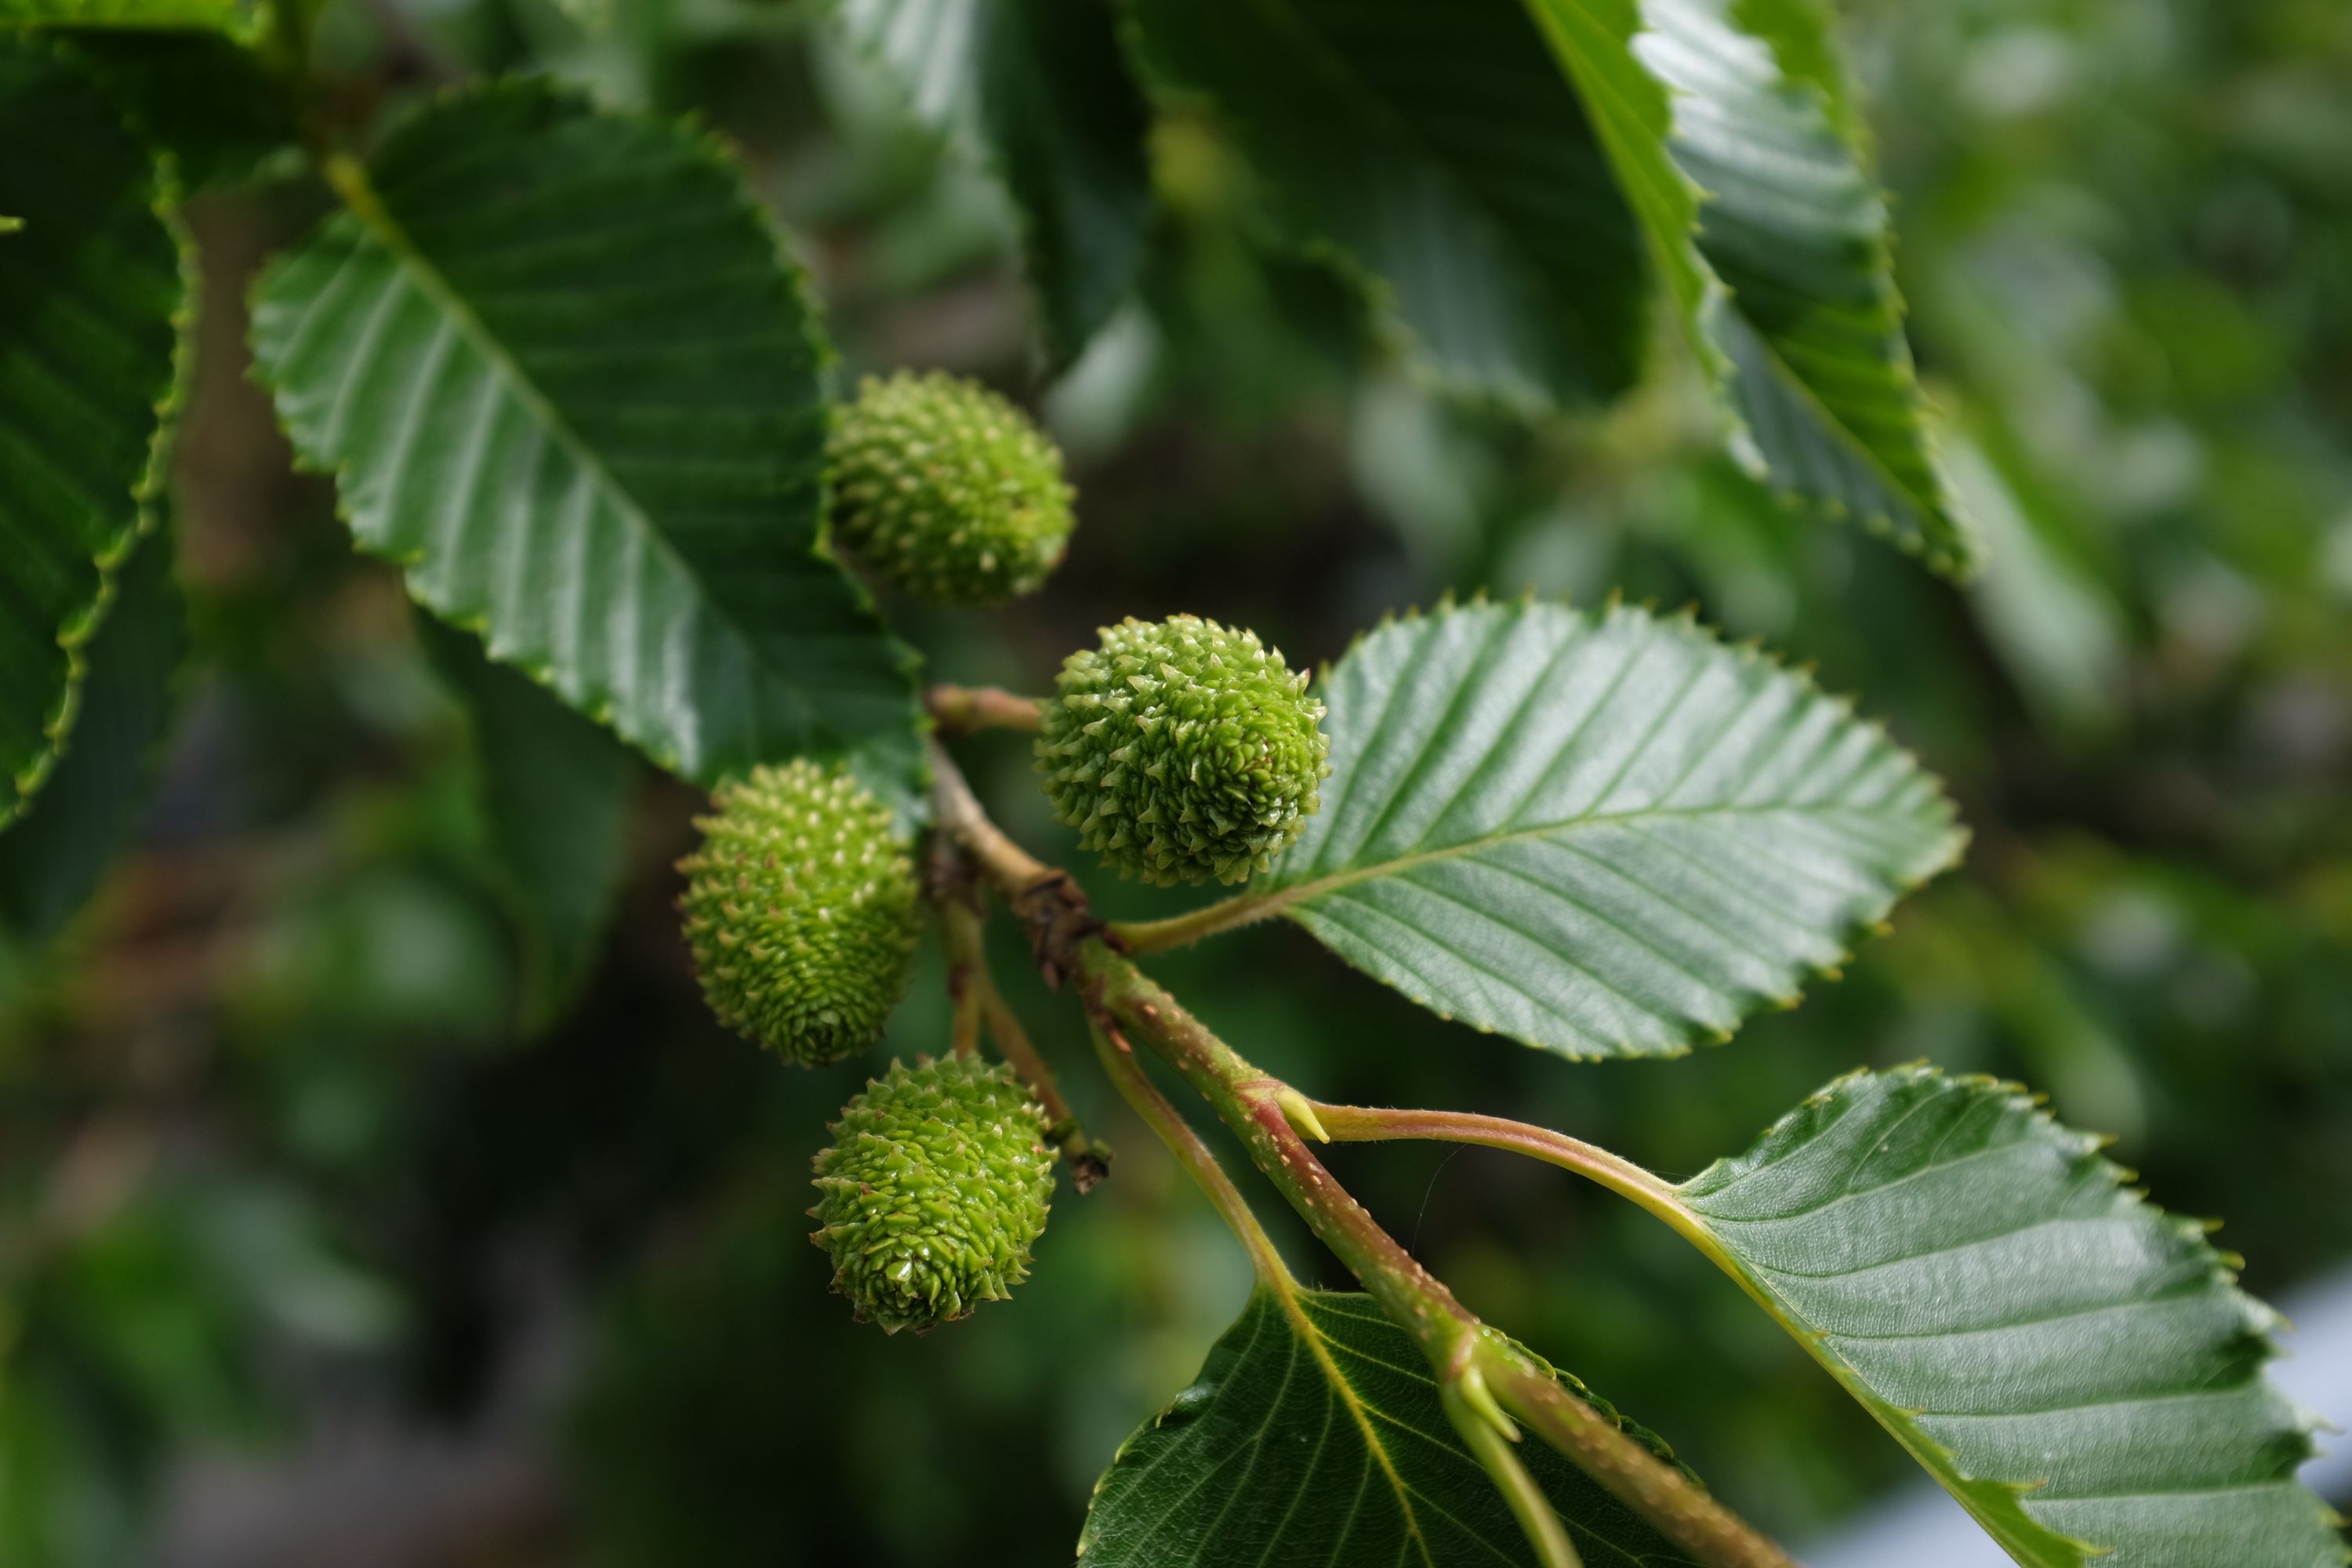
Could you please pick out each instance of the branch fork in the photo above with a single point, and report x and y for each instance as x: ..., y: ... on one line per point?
x: 1489, y: 1386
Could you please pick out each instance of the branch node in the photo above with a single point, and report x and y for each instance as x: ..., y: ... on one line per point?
x: 1300, y: 1111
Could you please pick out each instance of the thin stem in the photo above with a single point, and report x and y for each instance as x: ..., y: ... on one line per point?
x: 959, y: 812
x: 1048, y: 902
x: 1089, y: 1160
x: 960, y: 934
x: 1661, y: 1492
x: 1268, y: 1115
x: 1473, y: 1364
x: 1370, y: 1124
x: 1537, y: 1519
x: 972, y: 992
x: 1180, y: 930
x: 960, y: 709
x: 1253, y: 1105
x: 1119, y: 1063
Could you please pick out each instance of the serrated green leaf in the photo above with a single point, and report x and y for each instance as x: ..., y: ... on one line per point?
x: 1438, y: 148
x: 2074, y: 1366
x: 566, y: 376
x: 234, y: 16
x: 1798, y: 230
x: 1607, y: 836
x: 1314, y: 1435
x: 53, y: 858
x: 556, y: 791
x: 1041, y: 90
x: 1733, y: 130
x: 93, y: 293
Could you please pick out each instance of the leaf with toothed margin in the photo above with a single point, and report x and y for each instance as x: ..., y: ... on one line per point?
x: 1732, y: 129
x: 2074, y: 1364
x: 1315, y: 1436
x: 1608, y: 836
x: 93, y: 310
x: 566, y: 376
x: 56, y: 857
x: 1041, y: 91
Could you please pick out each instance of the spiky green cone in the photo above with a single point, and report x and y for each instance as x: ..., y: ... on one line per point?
x: 933, y: 1191
x: 800, y: 910
x: 946, y: 489
x: 1181, y: 749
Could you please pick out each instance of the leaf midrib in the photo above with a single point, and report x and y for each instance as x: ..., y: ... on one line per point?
x: 1843, y: 434
x: 1285, y: 1294
x: 360, y: 196
x: 1281, y: 899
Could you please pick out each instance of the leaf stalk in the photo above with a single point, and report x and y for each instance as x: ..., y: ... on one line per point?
x: 1267, y: 1114
x: 960, y: 709
x: 1457, y: 1342
x: 1135, y: 1086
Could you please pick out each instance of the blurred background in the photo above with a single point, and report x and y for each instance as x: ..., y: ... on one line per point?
x: 320, y: 1241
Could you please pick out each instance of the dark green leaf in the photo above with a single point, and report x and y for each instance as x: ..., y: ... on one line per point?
x: 51, y: 860
x: 556, y: 790
x: 92, y: 290
x: 1798, y: 231
x: 2074, y: 1364
x: 1439, y: 148
x: 1733, y: 131
x: 1607, y: 836
x: 1042, y: 89
x: 567, y: 379
x: 1315, y: 1436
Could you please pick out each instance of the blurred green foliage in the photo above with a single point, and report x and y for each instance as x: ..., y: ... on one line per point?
x: 281, y: 1169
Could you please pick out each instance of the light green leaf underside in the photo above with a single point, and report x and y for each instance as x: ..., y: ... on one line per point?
x: 234, y: 16
x: 2073, y: 1363
x: 1437, y: 148
x: 1041, y: 90
x: 564, y: 376
x: 53, y: 858
x: 1607, y: 836
x: 556, y: 791
x: 92, y: 298
x: 1732, y: 129
x: 1315, y: 1439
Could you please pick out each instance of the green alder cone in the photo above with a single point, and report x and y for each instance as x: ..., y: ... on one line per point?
x: 1182, y: 749
x: 801, y: 910
x: 933, y: 1191
x: 947, y: 490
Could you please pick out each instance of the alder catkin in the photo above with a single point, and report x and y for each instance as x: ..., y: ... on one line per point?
x: 946, y: 489
x: 1182, y: 749
x: 800, y: 910
x: 935, y: 1188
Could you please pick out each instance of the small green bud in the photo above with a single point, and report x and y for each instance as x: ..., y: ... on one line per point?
x: 800, y: 910
x: 946, y: 489
x: 934, y: 1187
x: 1182, y: 749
